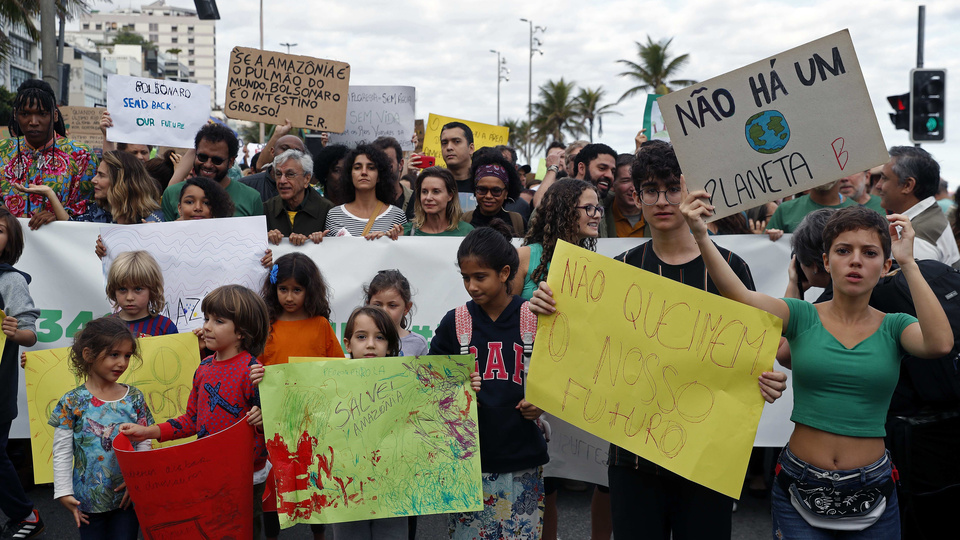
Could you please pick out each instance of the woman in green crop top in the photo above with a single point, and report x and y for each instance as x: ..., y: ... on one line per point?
x: 845, y: 366
x: 570, y: 211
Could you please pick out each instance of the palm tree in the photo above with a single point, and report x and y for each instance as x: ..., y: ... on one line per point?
x: 521, y: 138
x: 556, y: 111
x: 20, y: 13
x: 654, y: 69
x: 589, y: 108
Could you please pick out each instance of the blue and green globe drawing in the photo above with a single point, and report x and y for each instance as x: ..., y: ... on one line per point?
x: 767, y: 132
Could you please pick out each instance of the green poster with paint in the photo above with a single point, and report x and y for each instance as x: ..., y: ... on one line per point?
x: 372, y: 438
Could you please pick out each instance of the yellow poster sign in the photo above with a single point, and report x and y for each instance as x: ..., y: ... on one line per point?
x: 659, y: 368
x: 165, y: 376
x: 484, y: 135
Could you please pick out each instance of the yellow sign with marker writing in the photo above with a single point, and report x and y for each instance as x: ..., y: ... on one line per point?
x: 484, y: 135
x: 662, y: 369
x: 165, y: 376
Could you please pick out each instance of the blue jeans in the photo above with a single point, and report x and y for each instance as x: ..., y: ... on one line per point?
x: 789, y: 525
x: 117, y: 524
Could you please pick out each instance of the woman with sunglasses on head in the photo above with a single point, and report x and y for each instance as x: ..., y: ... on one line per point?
x: 495, y: 181
x: 436, y: 210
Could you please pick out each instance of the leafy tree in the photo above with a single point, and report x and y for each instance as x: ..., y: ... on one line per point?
x: 520, y: 138
x: 655, y: 69
x: 6, y: 106
x: 590, y: 110
x: 129, y: 37
x: 556, y: 112
x: 21, y: 13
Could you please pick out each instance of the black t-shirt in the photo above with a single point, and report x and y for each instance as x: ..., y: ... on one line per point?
x: 692, y: 273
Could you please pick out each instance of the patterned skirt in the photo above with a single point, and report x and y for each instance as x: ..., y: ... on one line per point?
x: 512, y: 508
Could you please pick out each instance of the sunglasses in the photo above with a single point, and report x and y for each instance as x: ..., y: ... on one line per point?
x: 217, y: 161
x: 483, y: 190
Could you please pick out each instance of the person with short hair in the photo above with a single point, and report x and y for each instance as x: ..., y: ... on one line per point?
x: 38, y: 152
x: 215, y: 149
x: 265, y: 181
x: 623, y: 217
x: 854, y: 187
x: 298, y: 212
x: 456, y: 145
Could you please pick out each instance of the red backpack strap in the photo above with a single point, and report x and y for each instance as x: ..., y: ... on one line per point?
x: 464, y: 323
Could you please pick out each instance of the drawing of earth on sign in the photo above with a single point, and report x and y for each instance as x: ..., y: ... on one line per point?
x: 767, y: 132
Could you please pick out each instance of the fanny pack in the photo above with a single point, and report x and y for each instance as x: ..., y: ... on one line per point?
x: 836, y: 509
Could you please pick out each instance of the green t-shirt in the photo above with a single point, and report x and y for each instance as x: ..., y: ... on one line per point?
x: 789, y: 214
x: 840, y: 390
x: 874, y: 204
x: 462, y: 229
x: 246, y: 200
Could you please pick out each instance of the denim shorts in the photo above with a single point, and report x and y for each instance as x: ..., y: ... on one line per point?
x: 788, y: 524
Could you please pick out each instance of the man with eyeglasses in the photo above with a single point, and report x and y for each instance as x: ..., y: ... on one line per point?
x: 647, y: 500
x: 265, y: 181
x: 215, y: 148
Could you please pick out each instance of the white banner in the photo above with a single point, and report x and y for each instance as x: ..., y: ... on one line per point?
x: 68, y: 285
x: 157, y: 112
x: 378, y: 111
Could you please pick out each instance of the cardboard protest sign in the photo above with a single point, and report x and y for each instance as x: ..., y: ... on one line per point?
x: 483, y: 135
x: 151, y: 111
x: 83, y: 125
x: 378, y: 111
x: 372, y: 438
x: 267, y: 86
x: 165, y: 376
x: 203, y: 489
x: 659, y: 368
x: 779, y: 126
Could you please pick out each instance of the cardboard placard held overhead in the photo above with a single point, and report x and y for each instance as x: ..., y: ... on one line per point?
x: 267, y: 86
x: 776, y: 127
x: 378, y: 111
x: 483, y: 135
x: 151, y: 111
x: 83, y: 125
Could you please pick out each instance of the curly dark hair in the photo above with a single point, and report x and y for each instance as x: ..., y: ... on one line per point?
x: 215, y: 133
x: 492, y: 156
x: 305, y: 272
x: 220, y: 203
x: 384, y: 187
x: 99, y: 337
x: 558, y: 218
x: 655, y: 160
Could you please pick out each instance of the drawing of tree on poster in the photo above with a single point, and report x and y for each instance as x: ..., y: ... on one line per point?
x: 372, y: 438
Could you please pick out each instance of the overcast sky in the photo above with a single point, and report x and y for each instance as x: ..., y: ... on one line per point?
x: 442, y: 48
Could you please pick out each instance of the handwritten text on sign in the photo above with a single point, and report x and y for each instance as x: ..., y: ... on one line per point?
x: 165, y: 377
x: 269, y: 87
x: 664, y: 370
x: 484, y: 135
x: 372, y: 438
x: 151, y: 111
x: 83, y: 125
x: 378, y: 111
x: 779, y: 126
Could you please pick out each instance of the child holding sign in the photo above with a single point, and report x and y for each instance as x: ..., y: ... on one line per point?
x: 86, y: 476
x: 835, y: 473
x: 512, y: 447
x: 235, y: 327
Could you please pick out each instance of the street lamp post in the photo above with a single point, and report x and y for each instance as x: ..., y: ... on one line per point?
x: 288, y: 45
x: 502, y: 75
x: 534, y: 43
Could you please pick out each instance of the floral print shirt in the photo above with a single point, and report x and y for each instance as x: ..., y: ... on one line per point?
x: 95, y: 423
x: 65, y: 165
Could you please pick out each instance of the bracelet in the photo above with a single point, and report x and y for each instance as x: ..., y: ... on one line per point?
x: 554, y: 168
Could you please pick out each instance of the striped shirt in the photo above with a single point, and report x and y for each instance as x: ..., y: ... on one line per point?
x: 153, y: 325
x: 339, y: 218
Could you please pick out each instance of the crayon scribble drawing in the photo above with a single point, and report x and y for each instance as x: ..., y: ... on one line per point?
x: 372, y: 438
x: 165, y: 376
x: 195, y: 258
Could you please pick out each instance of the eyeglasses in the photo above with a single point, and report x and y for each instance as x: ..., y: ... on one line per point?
x: 483, y: 190
x: 593, y: 211
x: 217, y: 161
x: 289, y: 174
x: 650, y: 195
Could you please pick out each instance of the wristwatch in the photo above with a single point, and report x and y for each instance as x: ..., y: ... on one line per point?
x: 554, y: 168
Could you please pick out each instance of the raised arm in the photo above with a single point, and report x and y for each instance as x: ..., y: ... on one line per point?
x: 695, y: 208
x: 933, y: 336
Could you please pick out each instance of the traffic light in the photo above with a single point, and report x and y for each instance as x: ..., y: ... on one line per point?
x: 901, y: 106
x: 927, y: 105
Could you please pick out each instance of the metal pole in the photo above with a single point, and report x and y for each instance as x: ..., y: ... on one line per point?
x: 498, y: 84
x: 920, y: 23
x: 48, y: 44
x: 530, y: 96
x: 262, y: 141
